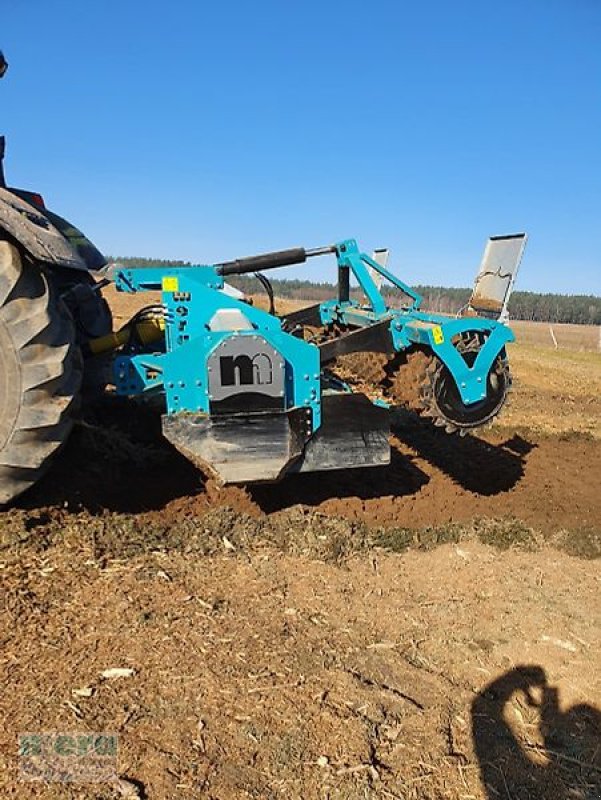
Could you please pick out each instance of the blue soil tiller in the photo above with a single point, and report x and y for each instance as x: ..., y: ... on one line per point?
x: 250, y: 395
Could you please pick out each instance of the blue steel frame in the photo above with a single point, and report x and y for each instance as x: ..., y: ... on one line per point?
x: 409, y: 326
x: 191, y: 297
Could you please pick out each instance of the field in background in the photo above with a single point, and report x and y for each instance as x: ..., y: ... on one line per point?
x: 568, y: 337
x: 555, y: 391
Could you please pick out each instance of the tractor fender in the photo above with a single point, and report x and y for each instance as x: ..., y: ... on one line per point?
x: 28, y: 227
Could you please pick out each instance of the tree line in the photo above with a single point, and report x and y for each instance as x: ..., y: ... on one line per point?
x: 533, y: 306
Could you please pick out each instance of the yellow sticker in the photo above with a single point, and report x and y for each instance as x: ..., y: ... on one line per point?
x: 437, y: 335
x: 170, y: 284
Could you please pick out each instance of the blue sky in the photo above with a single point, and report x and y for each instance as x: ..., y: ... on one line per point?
x: 205, y: 131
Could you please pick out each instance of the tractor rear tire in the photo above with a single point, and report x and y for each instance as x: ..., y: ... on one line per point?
x: 40, y: 372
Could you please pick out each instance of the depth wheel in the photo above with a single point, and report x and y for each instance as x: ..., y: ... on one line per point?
x: 421, y: 382
x: 441, y: 398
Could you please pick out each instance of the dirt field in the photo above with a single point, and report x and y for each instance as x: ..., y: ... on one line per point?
x: 428, y: 630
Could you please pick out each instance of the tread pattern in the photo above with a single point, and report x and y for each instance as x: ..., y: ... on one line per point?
x: 416, y: 385
x: 412, y: 379
x: 41, y: 372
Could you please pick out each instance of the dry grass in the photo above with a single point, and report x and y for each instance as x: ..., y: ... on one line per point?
x: 556, y: 391
x: 568, y: 337
x: 267, y: 668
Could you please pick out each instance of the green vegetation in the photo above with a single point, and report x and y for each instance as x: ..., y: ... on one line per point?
x: 531, y: 306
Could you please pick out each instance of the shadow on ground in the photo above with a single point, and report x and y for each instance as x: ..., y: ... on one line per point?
x: 401, y: 478
x: 559, y: 758
x: 475, y: 464
x: 116, y: 459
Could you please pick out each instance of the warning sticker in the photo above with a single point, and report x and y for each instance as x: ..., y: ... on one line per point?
x: 437, y: 335
x: 170, y: 284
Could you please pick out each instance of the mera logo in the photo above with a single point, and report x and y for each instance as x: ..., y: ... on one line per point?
x: 242, y: 370
x: 246, y: 366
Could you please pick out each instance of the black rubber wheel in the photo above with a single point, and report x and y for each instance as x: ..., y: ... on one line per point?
x: 451, y: 407
x: 40, y: 372
x: 441, y: 395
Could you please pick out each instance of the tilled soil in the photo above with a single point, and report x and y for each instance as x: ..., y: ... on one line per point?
x: 549, y: 482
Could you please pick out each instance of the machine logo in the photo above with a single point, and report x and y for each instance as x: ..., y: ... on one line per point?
x: 246, y: 369
x: 242, y: 370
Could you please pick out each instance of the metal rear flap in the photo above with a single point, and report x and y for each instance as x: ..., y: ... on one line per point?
x: 495, y: 279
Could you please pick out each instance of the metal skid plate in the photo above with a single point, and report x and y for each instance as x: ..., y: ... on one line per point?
x: 240, y: 448
x: 354, y: 433
x: 495, y: 279
x: 263, y: 447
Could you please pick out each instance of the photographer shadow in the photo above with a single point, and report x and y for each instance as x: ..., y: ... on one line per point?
x: 564, y: 761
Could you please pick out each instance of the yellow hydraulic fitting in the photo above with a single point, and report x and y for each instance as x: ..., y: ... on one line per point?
x: 147, y: 331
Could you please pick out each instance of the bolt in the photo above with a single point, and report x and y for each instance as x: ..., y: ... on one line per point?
x: 306, y: 377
